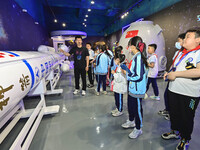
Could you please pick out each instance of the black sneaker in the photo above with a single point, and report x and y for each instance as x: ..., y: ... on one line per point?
x: 167, y: 117
x: 88, y: 85
x: 182, y: 145
x: 163, y: 112
x: 170, y: 135
x: 91, y: 85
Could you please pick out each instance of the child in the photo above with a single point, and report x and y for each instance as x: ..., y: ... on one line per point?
x: 184, y: 89
x: 90, y: 71
x: 119, y: 84
x: 153, y: 71
x: 137, y: 77
x: 101, y: 70
x: 178, y: 45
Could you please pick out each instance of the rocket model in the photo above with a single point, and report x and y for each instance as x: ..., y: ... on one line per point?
x: 150, y: 34
x: 21, y: 72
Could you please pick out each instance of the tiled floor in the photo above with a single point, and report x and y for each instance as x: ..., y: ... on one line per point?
x: 85, y: 123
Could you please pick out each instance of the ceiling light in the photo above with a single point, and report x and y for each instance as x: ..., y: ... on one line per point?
x: 89, y: 9
x: 36, y: 22
x: 92, y: 2
x: 55, y: 20
x: 122, y: 16
x: 24, y: 10
x: 83, y: 23
x: 64, y: 25
x: 86, y: 16
x: 85, y: 19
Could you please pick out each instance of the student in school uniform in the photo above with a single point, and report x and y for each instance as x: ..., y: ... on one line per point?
x: 183, y: 91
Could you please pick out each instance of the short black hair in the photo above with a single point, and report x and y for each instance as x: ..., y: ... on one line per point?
x: 154, y: 46
x: 78, y: 37
x: 196, y: 30
x: 89, y: 44
x: 181, y: 36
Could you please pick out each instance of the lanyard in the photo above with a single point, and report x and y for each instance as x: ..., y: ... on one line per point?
x: 184, y: 54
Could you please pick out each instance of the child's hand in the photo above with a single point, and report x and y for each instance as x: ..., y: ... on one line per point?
x: 165, y: 76
x: 171, y: 76
x: 62, y: 51
x: 113, y: 72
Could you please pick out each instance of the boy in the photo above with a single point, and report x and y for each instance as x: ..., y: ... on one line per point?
x: 153, y: 71
x: 184, y: 89
x: 179, y: 47
x: 91, y: 60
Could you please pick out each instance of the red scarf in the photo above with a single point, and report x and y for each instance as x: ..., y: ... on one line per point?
x: 184, y: 52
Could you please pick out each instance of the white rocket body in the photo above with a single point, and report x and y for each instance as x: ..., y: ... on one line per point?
x: 20, y: 72
x: 150, y: 34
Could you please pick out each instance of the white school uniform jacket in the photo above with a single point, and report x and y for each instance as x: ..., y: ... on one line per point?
x: 153, y: 72
x: 119, y: 83
x: 186, y: 86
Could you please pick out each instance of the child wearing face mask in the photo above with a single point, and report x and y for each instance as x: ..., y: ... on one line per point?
x: 179, y: 47
x: 183, y: 91
x: 137, y: 77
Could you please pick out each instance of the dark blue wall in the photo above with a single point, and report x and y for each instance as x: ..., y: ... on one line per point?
x: 18, y: 30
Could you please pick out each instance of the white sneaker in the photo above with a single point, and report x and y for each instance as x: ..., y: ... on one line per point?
x: 97, y: 93
x: 118, y: 113
x: 135, y: 133
x: 104, y: 92
x: 155, y: 97
x: 76, y: 92
x: 114, y: 111
x: 83, y: 93
x: 128, y: 124
x: 146, y: 96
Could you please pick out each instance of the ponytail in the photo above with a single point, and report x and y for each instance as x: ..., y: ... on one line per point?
x: 140, y: 46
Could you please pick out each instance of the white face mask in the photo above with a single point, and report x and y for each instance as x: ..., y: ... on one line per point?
x: 178, y: 45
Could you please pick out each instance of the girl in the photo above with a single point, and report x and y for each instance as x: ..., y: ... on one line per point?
x: 119, y: 85
x: 101, y: 70
x: 137, y: 77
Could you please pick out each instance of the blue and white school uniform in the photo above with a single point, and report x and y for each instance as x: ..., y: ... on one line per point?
x: 101, y: 70
x: 137, y: 89
x: 119, y: 88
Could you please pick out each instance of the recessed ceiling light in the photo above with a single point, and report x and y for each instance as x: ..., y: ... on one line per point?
x: 92, y: 2
x: 55, y: 20
x: 64, y: 25
x: 86, y: 16
x: 85, y: 19
x: 89, y: 9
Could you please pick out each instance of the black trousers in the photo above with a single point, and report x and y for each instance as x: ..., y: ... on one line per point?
x: 154, y: 85
x: 77, y: 73
x: 119, y: 101
x: 135, y: 110
x: 166, y: 98
x: 182, y: 112
x: 91, y: 73
x: 101, y: 79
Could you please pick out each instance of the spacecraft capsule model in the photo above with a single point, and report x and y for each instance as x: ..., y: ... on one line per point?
x: 21, y: 72
x: 150, y: 34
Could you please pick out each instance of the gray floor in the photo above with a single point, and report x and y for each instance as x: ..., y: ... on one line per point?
x: 85, y: 123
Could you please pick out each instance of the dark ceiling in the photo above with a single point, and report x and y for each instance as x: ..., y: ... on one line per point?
x: 104, y: 18
x: 73, y: 12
